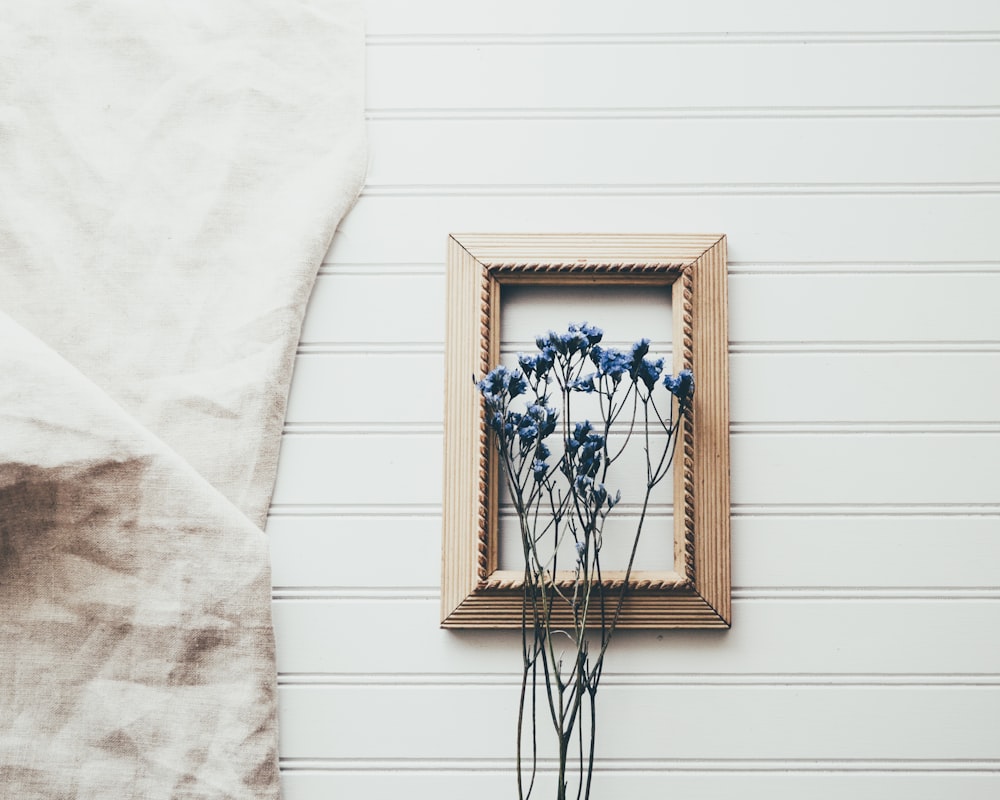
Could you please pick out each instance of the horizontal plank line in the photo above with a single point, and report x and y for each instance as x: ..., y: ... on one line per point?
x: 469, y: 679
x: 830, y: 346
x: 640, y: 766
x: 803, y: 510
x: 905, y: 268
x: 817, y: 593
x: 867, y: 593
x: 807, y: 510
x: 436, y: 269
x: 686, y: 38
x: 394, y: 592
x: 859, y: 347
x: 935, y: 427
x: 366, y: 427
x: 689, y: 112
x: 412, y: 269
x: 371, y: 348
x: 341, y: 510
x: 812, y: 428
x: 677, y: 190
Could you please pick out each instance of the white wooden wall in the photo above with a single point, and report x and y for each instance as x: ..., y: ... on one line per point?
x: 851, y: 152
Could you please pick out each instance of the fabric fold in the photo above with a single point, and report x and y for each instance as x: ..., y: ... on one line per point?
x: 171, y: 176
x: 136, y: 603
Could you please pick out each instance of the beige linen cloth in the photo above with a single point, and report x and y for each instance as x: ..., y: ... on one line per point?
x: 171, y: 175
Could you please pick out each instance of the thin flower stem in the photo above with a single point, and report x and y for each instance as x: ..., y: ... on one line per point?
x: 548, y: 514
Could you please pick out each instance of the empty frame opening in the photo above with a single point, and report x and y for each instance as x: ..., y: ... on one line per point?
x: 626, y: 313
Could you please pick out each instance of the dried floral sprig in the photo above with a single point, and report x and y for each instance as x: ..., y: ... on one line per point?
x: 563, y: 494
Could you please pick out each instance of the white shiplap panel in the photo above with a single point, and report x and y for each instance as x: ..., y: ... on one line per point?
x: 862, y: 308
x: 382, y: 553
x: 403, y: 17
x: 833, y: 138
x: 796, y: 722
x: 468, y: 75
x: 869, y: 387
x: 659, y: 152
x: 356, y: 552
x: 368, y: 389
x: 769, y: 637
x: 772, y: 307
x: 376, y: 469
x: 825, y: 469
x: 705, y: 781
x: 762, y: 227
x: 377, y: 308
x: 866, y: 551
x: 789, y: 388
x: 876, y: 468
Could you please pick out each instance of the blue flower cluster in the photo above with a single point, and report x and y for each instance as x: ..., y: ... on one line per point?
x: 502, y: 384
x: 579, y: 338
x: 587, y: 449
x: 582, y: 340
x: 563, y: 354
x: 681, y: 387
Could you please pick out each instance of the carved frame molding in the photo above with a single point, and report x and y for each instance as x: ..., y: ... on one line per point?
x: 696, y: 593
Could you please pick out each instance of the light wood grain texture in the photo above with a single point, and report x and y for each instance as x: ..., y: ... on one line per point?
x: 695, y: 593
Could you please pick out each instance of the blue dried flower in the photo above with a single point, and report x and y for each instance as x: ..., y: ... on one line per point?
x: 592, y: 332
x: 682, y: 387
x: 574, y: 341
x: 538, y: 469
x: 686, y: 387
x: 639, y: 350
x: 584, y: 384
x: 544, y: 418
x: 527, y: 426
x: 552, y: 342
x: 538, y: 364
x: 544, y: 361
x: 511, y: 424
x: 612, y: 362
x: 548, y: 425
x: 649, y: 371
x: 517, y: 385
x: 589, y: 454
x: 527, y: 363
x: 495, y: 384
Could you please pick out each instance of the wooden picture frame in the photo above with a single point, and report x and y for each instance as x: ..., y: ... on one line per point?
x: 696, y: 593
